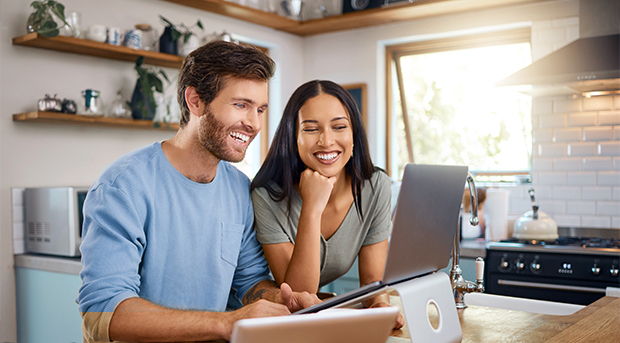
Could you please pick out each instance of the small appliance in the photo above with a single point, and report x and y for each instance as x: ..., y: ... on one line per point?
x: 53, y: 220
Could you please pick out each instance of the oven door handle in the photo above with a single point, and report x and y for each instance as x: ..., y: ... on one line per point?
x: 550, y: 286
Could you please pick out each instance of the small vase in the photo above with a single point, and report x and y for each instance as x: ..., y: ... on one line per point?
x: 140, y: 106
x: 168, y: 45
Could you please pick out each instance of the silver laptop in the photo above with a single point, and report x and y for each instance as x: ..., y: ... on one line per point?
x: 424, y: 225
x: 331, y: 326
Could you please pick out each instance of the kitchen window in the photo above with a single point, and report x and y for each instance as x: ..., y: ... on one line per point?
x: 454, y: 114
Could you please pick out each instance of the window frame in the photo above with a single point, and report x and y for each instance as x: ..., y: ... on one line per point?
x: 394, y: 52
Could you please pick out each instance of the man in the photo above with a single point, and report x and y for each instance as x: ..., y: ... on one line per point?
x: 168, y: 243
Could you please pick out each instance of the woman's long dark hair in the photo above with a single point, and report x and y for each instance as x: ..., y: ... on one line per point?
x: 284, y: 166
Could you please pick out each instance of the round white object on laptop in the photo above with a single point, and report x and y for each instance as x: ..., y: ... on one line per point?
x: 527, y: 228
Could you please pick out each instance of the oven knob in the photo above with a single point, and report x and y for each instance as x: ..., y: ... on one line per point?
x: 503, y: 264
x: 596, y: 270
x: 535, y: 266
x: 613, y: 271
x: 520, y: 265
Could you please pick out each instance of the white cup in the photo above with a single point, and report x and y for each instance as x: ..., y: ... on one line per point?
x: 115, y: 36
x: 97, y: 33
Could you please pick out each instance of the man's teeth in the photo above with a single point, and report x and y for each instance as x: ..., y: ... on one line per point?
x: 327, y: 156
x: 240, y: 136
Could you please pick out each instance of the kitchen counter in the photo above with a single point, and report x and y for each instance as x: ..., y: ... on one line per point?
x: 597, y: 322
x: 56, y: 264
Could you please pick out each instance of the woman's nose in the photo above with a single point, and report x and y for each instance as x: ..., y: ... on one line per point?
x: 326, y: 138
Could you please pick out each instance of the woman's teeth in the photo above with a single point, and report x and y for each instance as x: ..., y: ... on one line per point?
x: 240, y: 136
x: 327, y: 156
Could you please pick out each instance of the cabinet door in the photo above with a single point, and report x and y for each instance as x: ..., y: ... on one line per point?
x: 46, y: 307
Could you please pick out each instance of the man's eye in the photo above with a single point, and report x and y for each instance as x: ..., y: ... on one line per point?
x: 240, y: 105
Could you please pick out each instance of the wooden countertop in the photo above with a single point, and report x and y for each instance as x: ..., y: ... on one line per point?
x: 598, y: 322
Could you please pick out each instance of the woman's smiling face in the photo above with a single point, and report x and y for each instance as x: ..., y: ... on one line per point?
x: 324, y: 135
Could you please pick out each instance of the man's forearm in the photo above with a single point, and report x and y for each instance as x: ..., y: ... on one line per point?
x: 137, y: 319
x: 265, y: 289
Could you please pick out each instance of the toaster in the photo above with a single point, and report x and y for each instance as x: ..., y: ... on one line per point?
x: 53, y: 220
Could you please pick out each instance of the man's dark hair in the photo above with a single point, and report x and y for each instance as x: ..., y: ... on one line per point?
x: 283, y: 165
x: 209, y: 67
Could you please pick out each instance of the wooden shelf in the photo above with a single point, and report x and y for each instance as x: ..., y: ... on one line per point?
x: 393, y: 13
x: 92, y: 48
x: 63, y: 118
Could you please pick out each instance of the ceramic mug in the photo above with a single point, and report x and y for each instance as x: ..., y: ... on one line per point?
x: 97, y: 33
x: 133, y: 39
x: 115, y: 36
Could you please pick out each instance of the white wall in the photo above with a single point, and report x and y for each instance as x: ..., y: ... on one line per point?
x: 55, y: 155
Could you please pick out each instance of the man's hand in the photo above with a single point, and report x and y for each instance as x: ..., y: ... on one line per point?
x: 400, y: 321
x: 296, y: 301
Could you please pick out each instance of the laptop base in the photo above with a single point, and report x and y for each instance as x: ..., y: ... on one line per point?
x: 416, y: 295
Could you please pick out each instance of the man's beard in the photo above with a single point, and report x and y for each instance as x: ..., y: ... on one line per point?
x: 214, y: 136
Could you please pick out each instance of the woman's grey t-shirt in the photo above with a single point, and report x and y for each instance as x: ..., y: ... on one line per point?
x: 274, y: 225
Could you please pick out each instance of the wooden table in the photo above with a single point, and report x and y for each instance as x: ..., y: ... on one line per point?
x: 598, y: 322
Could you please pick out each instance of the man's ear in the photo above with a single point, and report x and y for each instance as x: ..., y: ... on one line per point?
x: 194, y: 103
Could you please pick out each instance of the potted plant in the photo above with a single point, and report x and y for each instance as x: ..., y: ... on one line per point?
x: 170, y: 41
x: 143, y: 103
x: 42, y: 19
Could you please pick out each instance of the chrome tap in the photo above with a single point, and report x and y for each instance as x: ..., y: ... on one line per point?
x: 460, y: 286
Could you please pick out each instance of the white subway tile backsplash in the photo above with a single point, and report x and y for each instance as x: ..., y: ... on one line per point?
x: 567, y: 135
x: 598, y: 103
x: 616, y: 163
x: 17, y: 196
x: 553, y: 206
x: 18, y: 213
x: 596, y: 193
x: 520, y: 206
x: 611, y: 148
x: 609, y: 118
x: 582, y: 119
x: 19, y: 246
x: 552, y: 149
x: 18, y: 230
x: 567, y: 193
x: 541, y: 192
x: 567, y: 164
x: 552, y: 121
x: 608, y: 178
x: 596, y: 222
x: 581, y: 207
x: 542, y: 136
x: 567, y: 220
x: 616, y: 134
x: 615, y: 222
x: 542, y: 107
x: 597, y: 163
x: 582, y: 149
x: 608, y: 208
x: 542, y: 164
x: 617, y: 102
x: 566, y: 106
x: 518, y: 192
x: 552, y: 178
x: 598, y: 133
x: 616, y: 193
x: 582, y: 178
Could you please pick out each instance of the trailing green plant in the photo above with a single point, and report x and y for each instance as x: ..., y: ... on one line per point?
x: 181, y: 29
x: 149, y: 83
x: 42, y: 21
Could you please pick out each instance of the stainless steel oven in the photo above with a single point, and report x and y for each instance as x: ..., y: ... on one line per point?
x: 570, y: 269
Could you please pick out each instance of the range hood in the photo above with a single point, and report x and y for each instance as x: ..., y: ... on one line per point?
x: 590, y: 65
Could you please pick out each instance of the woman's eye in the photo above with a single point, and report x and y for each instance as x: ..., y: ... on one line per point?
x: 309, y: 129
x: 340, y: 127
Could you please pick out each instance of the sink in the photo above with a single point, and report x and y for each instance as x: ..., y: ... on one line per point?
x: 521, y: 304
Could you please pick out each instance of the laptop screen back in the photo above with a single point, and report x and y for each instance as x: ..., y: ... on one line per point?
x: 425, y: 221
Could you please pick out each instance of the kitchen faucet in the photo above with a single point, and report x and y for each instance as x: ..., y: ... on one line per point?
x: 461, y: 286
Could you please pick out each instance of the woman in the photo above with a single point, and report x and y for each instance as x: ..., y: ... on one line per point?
x: 318, y: 200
